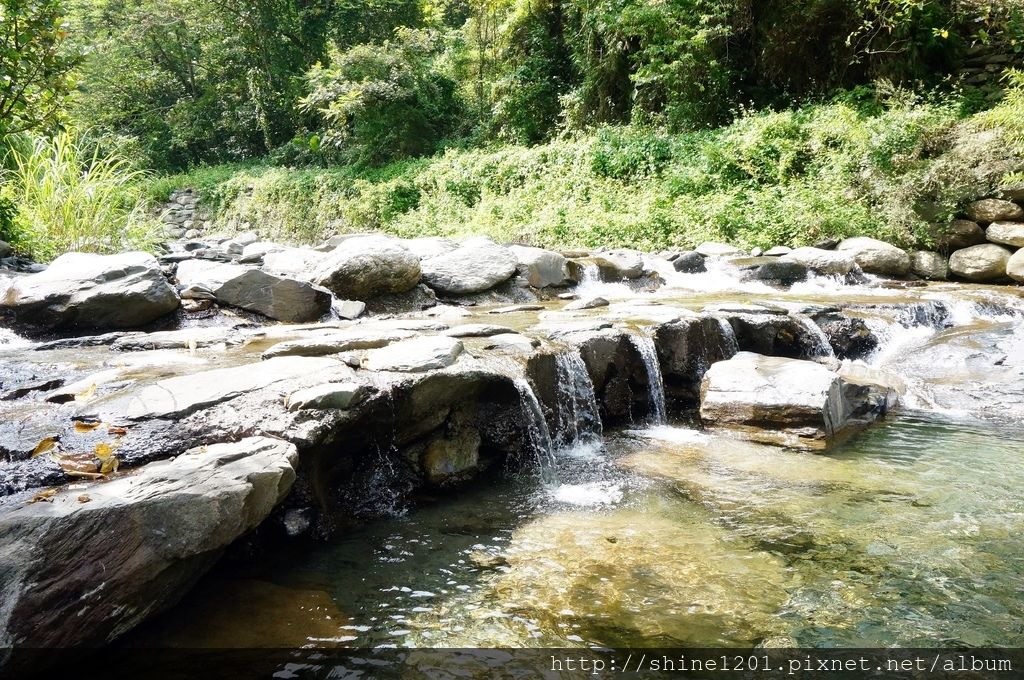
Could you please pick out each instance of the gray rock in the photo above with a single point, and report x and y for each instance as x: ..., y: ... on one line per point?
x: 255, y: 252
x: 994, y: 210
x: 778, y: 251
x: 298, y: 263
x: 542, y: 268
x: 187, y: 338
x: 513, y: 309
x: 348, y: 309
x: 784, y: 272
x: 929, y: 265
x: 477, y: 330
x: 689, y: 262
x: 712, y: 249
x: 820, y: 261
x: 756, y: 252
x: 1006, y: 233
x: 787, y: 402
x: 512, y: 342
x: 876, y: 257
x: 587, y: 303
x: 1012, y: 192
x: 90, y: 564
x: 277, y: 297
x: 236, y: 245
x: 80, y: 290
x: 1015, y: 266
x: 615, y: 265
x: 415, y: 355
x: 5, y: 249
x: 427, y: 247
x: 365, y: 267
x: 985, y: 262
x: 473, y: 267
x: 956, y: 235
x: 327, y: 396
x: 341, y: 341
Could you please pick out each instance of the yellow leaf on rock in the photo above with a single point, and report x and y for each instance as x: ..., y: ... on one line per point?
x: 44, y: 496
x: 87, y: 393
x: 104, y: 451
x: 46, y: 445
x: 86, y: 427
x: 109, y: 465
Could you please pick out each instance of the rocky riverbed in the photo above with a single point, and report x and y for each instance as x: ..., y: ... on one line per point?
x: 156, y: 412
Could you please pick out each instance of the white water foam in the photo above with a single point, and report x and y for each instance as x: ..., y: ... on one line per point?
x: 588, y: 493
x: 674, y: 435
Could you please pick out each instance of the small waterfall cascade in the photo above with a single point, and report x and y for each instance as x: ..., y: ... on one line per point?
x: 536, y: 428
x: 649, y: 355
x: 590, y: 275
x: 822, y: 347
x: 730, y: 346
x: 576, y: 415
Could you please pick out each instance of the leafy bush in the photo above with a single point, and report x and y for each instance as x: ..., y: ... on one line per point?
x: 69, y: 197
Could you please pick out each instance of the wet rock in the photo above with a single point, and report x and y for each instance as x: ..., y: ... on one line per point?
x: 849, y: 337
x: 284, y: 299
x: 367, y: 266
x: 542, y: 268
x: 986, y: 262
x: 712, y: 249
x: 430, y: 246
x: 82, y: 573
x: 81, y: 290
x: 956, y: 235
x: 477, y: 330
x: 327, y: 396
x: 1015, y: 266
x: 339, y: 341
x: 476, y: 266
x: 689, y: 262
x: 1006, y: 233
x: 994, y: 210
x: 617, y: 372
x: 876, y: 257
x: 820, y: 261
x: 587, y: 303
x: 771, y: 269
x: 787, y: 402
x: 616, y: 265
x: 188, y: 338
x: 454, y: 453
x: 513, y: 342
x: 929, y: 265
x: 415, y: 355
x: 775, y: 334
x: 686, y: 349
x: 513, y: 309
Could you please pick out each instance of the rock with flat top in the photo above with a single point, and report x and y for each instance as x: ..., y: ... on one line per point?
x: 821, y: 261
x: 327, y: 396
x: 474, y: 267
x: 415, y: 355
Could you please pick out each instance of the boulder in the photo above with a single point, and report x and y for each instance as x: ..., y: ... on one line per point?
x: 473, y: 267
x: 994, y: 210
x: 415, y: 355
x: 616, y: 265
x: 298, y: 263
x: 255, y: 252
x: 1012, y: 192
x: 778, y: 251
x: 5, y: 249
x: 985, y: 262
x: 787, y: 402
x: 81, y: 290
x: 427, y: 247
x: 1006, y: 233
x: 956, y: 235
x: 91, y: 563
x: 876, y: 257
x: 236, y: 245
x: 284, y: 299
x: 542, y: 268
x: 327, y: 396
x: 1015, y: 266
x: 712, y: 249
x: 365, y: 267
x: 849, y: 336
x: 689, y: 262
x: 348, y: 309
x: 929, y: 265
x: 771, y: 269
x: 820, y: 261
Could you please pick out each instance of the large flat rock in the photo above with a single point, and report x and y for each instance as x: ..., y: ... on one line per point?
x: 475, y: 266
x: 87, y: 565
x: 275, y: 296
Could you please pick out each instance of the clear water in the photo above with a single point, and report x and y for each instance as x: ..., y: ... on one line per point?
x: 909, y: 535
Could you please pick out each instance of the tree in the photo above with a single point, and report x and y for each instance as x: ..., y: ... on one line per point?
x: 33, y: 66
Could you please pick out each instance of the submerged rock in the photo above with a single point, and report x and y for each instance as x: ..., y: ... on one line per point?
x: 87, y: 565
x: 787, y: 402
x: 985, y: 262
x: 81, y: 290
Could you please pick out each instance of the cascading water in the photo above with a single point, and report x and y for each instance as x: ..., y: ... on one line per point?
x: 730, y: 345
x: 577, y: 416
x: 656, y: 388
x: 822, y: 347
x: 536, y: 428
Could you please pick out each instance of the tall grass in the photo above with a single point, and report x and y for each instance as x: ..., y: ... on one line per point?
x: 70, y: 197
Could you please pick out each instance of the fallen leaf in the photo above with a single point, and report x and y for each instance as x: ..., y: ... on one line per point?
x: 81, y: 426
x: 116, y: 430
x: 46, y: 445
x: 84, y: 498
x: 79, y: 465
x: 109, y: 465
x: 44, y: 496
x: 87, y: 393
x: 104, y: 451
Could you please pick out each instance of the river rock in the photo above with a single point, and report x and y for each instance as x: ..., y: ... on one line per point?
x: 985, y: 262
x: 415, y: 355
x: 297, y: 263
x: 1006, y: 233
x: 1015, y: 266
x: 477, y: 330
x: 929, y: 265
x: 82, y: 290
x: 778, y: 251
x: 820, y: 261
x: 236, y: 245
x: 619, y: 264
x: 850, y: 337
x: 994, y: 210
x: 255, y: 252
x: 787, y: 402
x: 712, y: 249
x: 327, y: 396
x: 339, y: 341
x: 686, y: 349
x: 5, y: 249
x: 587, y: 303
x: 367, y: 266
x: 427, y: 247
x: 348, y: 309
x: 473, y: 267
x: 689, y: 262
x: 876, y: 257
x: 90, y: 564
x: 277, y: 297
x: 543, y: 268
x: 771, y: 269
x: 512, y: 342
x: 956, y: 235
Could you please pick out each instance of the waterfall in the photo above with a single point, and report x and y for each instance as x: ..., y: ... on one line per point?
x: 536, y: 427
x: 730, y: 346
x: 576, y: 413
x: 590, y: 275
x: 656, y: 388
x: 822, y: 347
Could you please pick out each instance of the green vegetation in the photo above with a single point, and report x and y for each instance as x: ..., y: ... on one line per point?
x: 555, y: 122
